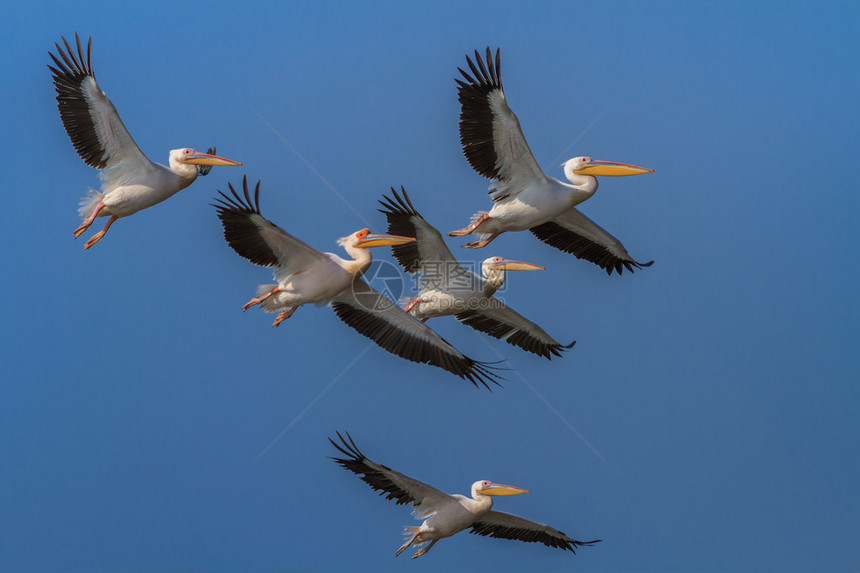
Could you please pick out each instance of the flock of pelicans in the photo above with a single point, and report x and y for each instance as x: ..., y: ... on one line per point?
x: 523, y: 196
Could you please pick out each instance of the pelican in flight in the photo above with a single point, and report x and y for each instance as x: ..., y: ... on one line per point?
x: 524, y: 197
x: 445, y: 515
x: 305, y: 275
x: 130, y: 181
x: 449, y: 289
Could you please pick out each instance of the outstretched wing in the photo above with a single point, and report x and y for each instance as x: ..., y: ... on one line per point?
x: 90, y: 119
x: 499, y: 321
x: 507, y: 526
x: 428, y: 255
x: 574, y: 233
x: 256, y: 238
x: 393, y: 485
x: 490, y: 132
x: 379, y: 319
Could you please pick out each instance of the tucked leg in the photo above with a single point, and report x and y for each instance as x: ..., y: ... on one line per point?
x: 98, y: 236
x: 409, y: 542
x: 86, y: 224
x: 284, y: 316
x: 424, y: 550
x: 257, y: 300
x: 481, y: 244
x: 471, y: 228
x: 412, y: 304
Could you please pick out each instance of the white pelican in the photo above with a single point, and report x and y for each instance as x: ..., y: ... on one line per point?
x: 130, y: 181
x: 305, y: 275
x: 524, y: 197
x: 445, y: 515
x: 449, y: 289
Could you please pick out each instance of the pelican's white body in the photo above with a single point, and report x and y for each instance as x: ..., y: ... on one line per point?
x: 317, y: 284
x: 461, y: 292
x: 449, y: 516
x: 541, y: 200
x: 126, y: 191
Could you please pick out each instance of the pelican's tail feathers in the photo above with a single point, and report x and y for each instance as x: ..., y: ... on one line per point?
x: 89, y: 202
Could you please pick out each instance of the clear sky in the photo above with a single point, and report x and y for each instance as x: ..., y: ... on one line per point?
x: 707, y: 419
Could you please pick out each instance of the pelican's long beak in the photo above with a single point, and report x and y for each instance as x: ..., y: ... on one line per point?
x: 611, y: 169
x: 508, y: 265
x: 499, y: 489
x: 198, y: 158
x: 371, y: 241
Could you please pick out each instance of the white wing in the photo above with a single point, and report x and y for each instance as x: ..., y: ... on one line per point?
x: 573, y: 232
x: 398, y: 487
x: 501, y: 322
x: 91, y: 120
x: 379, y: 319
x: 490, y: 132
x: 428, y: 255
x: 507, y: 526
x: 259, y: 240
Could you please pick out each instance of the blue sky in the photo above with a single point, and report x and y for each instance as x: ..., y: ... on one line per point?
x: 714, y: 396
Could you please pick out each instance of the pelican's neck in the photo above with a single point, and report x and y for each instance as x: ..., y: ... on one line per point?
x: 493, y: 281
x: 584, y: 185
x: 186, y: 172
x: 483, y: 503
x: 361, y: 259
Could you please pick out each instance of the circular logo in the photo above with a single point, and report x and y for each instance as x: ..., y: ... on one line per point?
x: 387, y: 279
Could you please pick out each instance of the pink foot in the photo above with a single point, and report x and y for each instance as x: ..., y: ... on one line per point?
x: 86, y: 224
x: 480, y: 244
x: 259, y: 299
x: 284, y: 316
x: 471, y: 228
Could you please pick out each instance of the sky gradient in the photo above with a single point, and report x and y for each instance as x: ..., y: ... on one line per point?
x: 707, y: 419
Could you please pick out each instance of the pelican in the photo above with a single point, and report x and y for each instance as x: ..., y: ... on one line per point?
x: 445, y: 515
x: 130, y: 181
x: 305, y: 275
x: 447, y: 288
x: 524, y: 197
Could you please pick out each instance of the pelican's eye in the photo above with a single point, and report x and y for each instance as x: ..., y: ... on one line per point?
x: 187, y: 152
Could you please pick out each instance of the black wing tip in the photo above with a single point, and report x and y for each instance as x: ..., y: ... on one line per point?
x: 398, y: 205
x: 477, y: 114
x: 399, y: 212
x: 556, y: 350
x: 391, y: 339
x: 347, y: 447
x: 572, y: 545
x: 482, y: 372
x: 74, y: 65
x: 203, y: 170
x: 484, y: 76
x: 238, y: 204
x: 619, y: 266
x: 574, y: 244
x: 511, y: 335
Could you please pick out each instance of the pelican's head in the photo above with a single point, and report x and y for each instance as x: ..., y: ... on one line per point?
x: 486, y: 487
x: 189, y: 156
x: 364, y: 240
x: 589, y: 166
x: 494, y: 268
